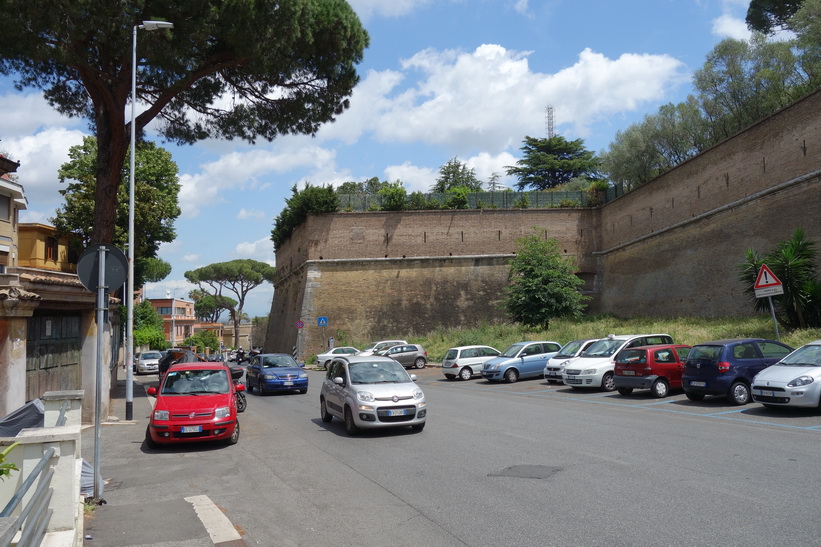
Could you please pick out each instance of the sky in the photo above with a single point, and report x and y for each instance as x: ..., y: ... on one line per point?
x: 441, y: 79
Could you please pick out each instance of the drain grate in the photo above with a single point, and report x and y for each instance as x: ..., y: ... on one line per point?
x: 527, y: 472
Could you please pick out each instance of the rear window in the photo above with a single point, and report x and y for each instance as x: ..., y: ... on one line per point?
x: 632, y: 356
x: 707, y: 353
x: 150, y: 355
x: 451, y: 354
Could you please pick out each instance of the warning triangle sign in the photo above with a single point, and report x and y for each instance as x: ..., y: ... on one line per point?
x: 766, y: 278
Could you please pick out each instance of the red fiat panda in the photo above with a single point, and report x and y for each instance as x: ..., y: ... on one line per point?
x: 657, y: 368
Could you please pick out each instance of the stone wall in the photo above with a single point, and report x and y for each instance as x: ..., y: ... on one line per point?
x: 669, y: 248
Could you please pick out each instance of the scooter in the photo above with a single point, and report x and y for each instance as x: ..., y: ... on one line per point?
x: 242, y: 402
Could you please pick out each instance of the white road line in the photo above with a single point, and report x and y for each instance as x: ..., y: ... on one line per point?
x: 216, y: 523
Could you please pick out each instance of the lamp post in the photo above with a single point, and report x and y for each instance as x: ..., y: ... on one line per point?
x: 129, y: 356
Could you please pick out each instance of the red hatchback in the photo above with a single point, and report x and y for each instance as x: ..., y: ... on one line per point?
x: 657, y: 368
x: 195, y: 402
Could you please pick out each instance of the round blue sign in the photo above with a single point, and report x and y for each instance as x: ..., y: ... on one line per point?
x: 299, y: 324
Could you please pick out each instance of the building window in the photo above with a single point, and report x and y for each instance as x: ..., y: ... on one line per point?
x: 5, y: 208
x: 51, y: 248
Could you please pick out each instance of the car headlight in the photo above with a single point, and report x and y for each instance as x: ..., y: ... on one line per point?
x: 161, y: 415
x: 496, y: 366
x: 801, y: 381
x: 222, y: 412
x: 303, y: 374
x: 417, y: 394
x: 589, y: 371
x: 365, y: 396
x: 270, y: 376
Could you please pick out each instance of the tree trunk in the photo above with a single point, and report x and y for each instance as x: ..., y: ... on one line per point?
x: 112, y: 146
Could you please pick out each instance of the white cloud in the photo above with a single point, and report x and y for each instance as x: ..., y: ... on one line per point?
x: 416, y: 179
x: 251, y: 213
x: 261, y: 249
x: 727, y: 26
x: 366, y: 9
x: 191, y: 257
x: 520, y: 6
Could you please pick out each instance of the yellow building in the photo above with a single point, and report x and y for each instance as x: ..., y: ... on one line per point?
x: 40, y: 247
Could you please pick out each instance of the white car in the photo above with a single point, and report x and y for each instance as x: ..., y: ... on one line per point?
x: 371, y: 392
x: 793, y: 381
x: 594, y: 367
x: 324, y: 359
x: 381, y: 345
x: 465, y: 361
x: 555, y: 365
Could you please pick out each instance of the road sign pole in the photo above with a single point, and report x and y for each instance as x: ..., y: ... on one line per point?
x: 775, y: 323
x: 98, y: 393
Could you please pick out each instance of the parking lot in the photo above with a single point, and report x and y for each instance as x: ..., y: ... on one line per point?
x: 712, y: 408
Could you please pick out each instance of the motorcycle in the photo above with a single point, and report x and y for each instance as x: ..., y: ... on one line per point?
x: 242, y: 402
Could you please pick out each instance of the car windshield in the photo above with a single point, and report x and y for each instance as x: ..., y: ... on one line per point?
x: 602, y: 348
x: 378, y: 373
x: 570, y: 349
x: 195, y: 382
x: 806, y: 356
x: 277, y: 361
x: 512, y: 351
x: 150, y: 355
x: 705, y: 353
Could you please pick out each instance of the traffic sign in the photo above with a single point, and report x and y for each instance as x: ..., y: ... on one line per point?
x: 299, y: 324
x: 322, y: 321
x: 767, y: 284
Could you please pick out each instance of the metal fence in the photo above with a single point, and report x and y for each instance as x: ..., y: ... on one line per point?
x: 33, y: 520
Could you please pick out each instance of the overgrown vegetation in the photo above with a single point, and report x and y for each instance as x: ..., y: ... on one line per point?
x: 7, y: 467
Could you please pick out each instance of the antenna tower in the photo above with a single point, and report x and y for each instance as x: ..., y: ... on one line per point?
x: 548, y: 120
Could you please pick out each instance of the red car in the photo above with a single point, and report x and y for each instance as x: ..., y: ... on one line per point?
x: 195, y: 402
x: 657, y: 368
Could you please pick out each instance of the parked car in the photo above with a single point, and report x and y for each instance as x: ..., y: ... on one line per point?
x: 727, y: 367
x: 148, y: 362
x: 657, y: 368
x: 793, y: 381
x: 407, y: 355
x: 555, y: 365
x: 521, y: 360
x: 594, y: 366
x: 324, y: 359
x: 371, y: 392
x: 195, y: 402
x: 465, y: 361
x: 375, y: 347
x: 275, y: 372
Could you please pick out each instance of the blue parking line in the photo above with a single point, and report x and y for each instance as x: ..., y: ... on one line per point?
x: 665, y: 402
x: 726, y: 412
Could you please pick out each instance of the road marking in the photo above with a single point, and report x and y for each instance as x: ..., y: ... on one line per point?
x: 216, y: 523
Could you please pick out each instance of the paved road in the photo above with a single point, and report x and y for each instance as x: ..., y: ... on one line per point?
x: 498, y: 464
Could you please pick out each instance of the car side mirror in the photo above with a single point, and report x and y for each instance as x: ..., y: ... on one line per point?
x: 302, y: 365
x: 152, y: 391
x: 413, y: 377
x: 239, y: 387
x: 339, y: 381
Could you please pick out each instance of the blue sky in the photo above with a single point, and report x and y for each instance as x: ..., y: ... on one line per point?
x: 441, y: 79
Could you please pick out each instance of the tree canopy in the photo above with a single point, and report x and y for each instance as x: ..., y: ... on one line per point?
x: 156, y: 206
x: 243, y: 69
x: 543, y: 284
x: 209, y: 307
x: 312, y: 199
x: 768, y: 16
x: 236, y: 276
x: 455, y: 174
x: 548, y: 163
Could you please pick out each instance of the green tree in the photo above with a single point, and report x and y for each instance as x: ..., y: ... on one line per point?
x: 208, y: 307
x: 148, y: 326
x: 551, y: 162
x: 394, y: 197
x: 455, y: 174
x: 237, y: 276
x: 156, y: 206
x: 543, y: 284
x: 806, y: 24
x: 284, y: 66
x: 312, y: 199
x: 204, y: 339
x: 768, y: 16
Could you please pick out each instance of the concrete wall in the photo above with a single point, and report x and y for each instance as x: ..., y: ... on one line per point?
x: 669, y: 248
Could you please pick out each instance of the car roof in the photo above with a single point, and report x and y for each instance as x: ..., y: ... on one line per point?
x: 351, y: 359
x: 470, y: 347
x: 275, y: 355
x: 728, y: 341
x: 659, y: 346
x: 198, y: 365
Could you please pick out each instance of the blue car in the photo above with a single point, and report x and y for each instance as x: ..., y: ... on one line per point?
x: 275, y: 372
x: 727, y: 367
x: 521, y: 360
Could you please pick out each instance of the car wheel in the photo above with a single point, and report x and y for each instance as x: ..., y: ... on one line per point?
x: 660, y: 388
x: 739, y: 394
x: 242, y: 401
x: 350, y: 425
x: 466, y: 373
x: 234, y: 438
x: 607, y: 382
x: 323, y: 411
x: 260, y: 387
x: 450, y: 376
x: 149, y: 442
x: 420, y: 362
x: 511, y: 375
x: 326, y: 363
x: 694, y: 396
x: 625, y: 391
x: 418, y: 427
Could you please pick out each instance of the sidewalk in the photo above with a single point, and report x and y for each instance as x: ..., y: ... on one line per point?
x: 139, y: 508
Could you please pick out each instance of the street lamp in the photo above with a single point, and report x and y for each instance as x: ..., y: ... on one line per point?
x: 129, y: 356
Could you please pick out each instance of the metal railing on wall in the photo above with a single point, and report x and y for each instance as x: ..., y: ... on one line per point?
x: 35, y: 515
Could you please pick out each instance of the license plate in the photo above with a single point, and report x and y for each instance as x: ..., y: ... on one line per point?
x: 287, y: 383
x: 698, y: 384
x: 766, y: 393
x: 552, y: 373
x: 571, y: 377
x: 192, y: 429
x: 628, y: 373
x: 400, y: 412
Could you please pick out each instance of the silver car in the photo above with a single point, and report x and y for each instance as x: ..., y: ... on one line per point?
x: 465, y: 361
x: 555, y: 365
x: 371, y: 392
x: 375, y: 347
x: 148, y: 362
x: 407, y: 355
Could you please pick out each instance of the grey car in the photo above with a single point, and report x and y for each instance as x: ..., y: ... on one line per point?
x: 148, y: 362
x: 465, y: 361
x: 371, y: 392
x: 407, y: 355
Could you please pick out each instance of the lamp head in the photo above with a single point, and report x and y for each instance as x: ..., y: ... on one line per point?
x: 155, y: 25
